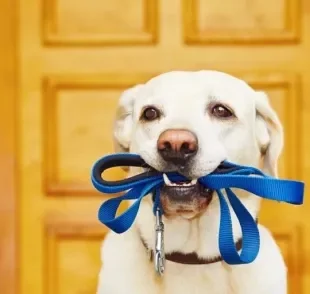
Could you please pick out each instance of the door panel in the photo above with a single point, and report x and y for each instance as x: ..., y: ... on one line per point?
x: 244, y: 22
x: 75, y: 59
x: 89, y: 23
x: 72, y: 259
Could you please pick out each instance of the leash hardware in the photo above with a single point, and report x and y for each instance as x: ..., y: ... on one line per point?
x: 159, y: 252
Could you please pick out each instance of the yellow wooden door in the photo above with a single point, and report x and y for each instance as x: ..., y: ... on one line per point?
x: 74, y: 59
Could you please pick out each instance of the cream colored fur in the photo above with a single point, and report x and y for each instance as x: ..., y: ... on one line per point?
x: 255, y: 138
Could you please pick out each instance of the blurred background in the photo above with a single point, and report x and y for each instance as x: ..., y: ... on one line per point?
x: 63, y: 65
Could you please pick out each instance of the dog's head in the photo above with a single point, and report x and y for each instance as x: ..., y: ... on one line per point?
x: 191, y: 122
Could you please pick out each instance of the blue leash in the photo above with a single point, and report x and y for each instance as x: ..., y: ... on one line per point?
x: 229, y: 176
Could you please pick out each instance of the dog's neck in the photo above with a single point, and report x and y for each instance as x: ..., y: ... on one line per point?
x: 187, y: 258
x: 199, y: 235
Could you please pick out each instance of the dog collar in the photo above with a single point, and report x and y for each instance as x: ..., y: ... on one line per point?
x: 188, y: 258
x: 228, y: 176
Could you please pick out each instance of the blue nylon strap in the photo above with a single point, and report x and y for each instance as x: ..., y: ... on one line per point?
x: 233, y: 176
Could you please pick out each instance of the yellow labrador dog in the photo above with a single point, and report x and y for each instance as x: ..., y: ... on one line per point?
x: 190, y: 122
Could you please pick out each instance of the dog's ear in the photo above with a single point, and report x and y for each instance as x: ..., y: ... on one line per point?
x: 124, y: 121
x: 269, y: 133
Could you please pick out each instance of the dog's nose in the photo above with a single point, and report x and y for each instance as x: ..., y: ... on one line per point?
x: 177, y: 146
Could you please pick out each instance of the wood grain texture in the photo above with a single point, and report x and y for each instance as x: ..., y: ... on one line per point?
x: 8, y: 160
x: 72, y: 257
x: 65, y: 140
x: 242, y: 22
x: 104, y: 23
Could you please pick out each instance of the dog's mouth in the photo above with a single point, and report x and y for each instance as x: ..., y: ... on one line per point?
x: 184, y: 198
x: 185, y: 191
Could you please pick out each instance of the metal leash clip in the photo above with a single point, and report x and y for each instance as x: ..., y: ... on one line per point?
x: 159, y: 252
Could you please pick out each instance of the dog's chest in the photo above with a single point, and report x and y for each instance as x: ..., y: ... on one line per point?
x: 199, y: 279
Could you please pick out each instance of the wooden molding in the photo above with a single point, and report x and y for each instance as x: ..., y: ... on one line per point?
x: 292, y: 122
x: 9, y: 283
x: 193, y: 36
x: 56, y: 232
x: 50, y: 87
x: 52, y: 36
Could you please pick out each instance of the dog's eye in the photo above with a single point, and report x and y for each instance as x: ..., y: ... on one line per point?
x: 150, y: 113
x: 221, y: 111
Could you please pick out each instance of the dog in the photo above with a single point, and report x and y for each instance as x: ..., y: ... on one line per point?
x: 190, y: 122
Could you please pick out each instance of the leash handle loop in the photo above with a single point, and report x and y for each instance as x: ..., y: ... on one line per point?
x: 250, y: 233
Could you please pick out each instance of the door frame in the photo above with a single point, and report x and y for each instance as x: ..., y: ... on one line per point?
x: 8, y: 151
